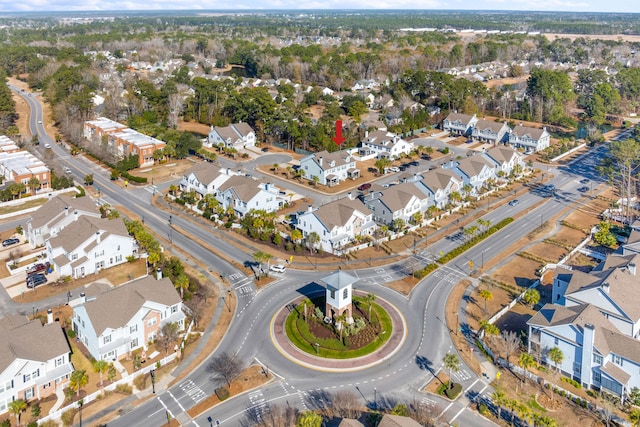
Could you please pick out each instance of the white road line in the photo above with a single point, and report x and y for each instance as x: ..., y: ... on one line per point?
x: 165, y: 407
x: 177, y: 401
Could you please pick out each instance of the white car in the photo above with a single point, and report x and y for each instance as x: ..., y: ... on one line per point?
x: 393, y: 169
x: 278, y: 268
x: 67, y: 170
x: 47, y: 146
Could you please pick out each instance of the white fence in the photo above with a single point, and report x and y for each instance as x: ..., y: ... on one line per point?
x: 573, y: 150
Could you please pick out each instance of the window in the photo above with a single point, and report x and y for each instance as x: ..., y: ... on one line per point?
x: 106, y: 339
x: 133, y: 329
x: 174, y: 309
x: 134, y: 343
x: 26, y: 378
x: 6, y: 386
x: 59, y: 361
x: 597, y: 359
x: 617, y: 359
x: 596, y: 377
x: 555, y: 341
x: 152, y: 321
x: 577, y: 368
x: 28, y: 393
x: 74, y: 257
x: 345, y: 293
x: 332, y: 293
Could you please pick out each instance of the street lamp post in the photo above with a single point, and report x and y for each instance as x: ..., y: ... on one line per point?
x: 375, y: 398
x: 153, y: 380
x: 170, y: 222
x: 69, y: 295
x: 80, y: 403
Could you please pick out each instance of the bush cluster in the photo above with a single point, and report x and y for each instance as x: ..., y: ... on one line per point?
x: 222, y: 393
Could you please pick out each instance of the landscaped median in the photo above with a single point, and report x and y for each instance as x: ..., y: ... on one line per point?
x: 429, y: 268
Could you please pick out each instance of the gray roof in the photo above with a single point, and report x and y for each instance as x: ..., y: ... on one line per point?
x: 205, y: 172
x: 56, y: 206
x: 616, y: 373
x: 389, y: 420
x: 21, y: 338
x: 348, y: 422
x: 494, y: 126
x: 501, y: 154
x: 244, y: 187
x: 472, y: 166
x: 115, y: 307
x: 533, y: 133
x: 338, y: 212
x: 340, y: 279
x: 234, y: 131
x: 338, y: 158
x: 398, y: 196
x: 79, y: 231
x: 439, y: 178
x: 457, y: 117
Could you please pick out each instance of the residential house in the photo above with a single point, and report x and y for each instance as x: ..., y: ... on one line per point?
x: 94, y: 130
x: 389, y: 420
x: 205, y: 178
x: 237, y: 135
x: 115, y: 322
x: 338, y: 223
x: 490, y: 131
x: 438, y: 184
x: 243, y: 194
x: 55, y: 215
x: 350, y: 422
x: 595, y: 353
x: 7, y: 145
x: 35, y: 359
x: 459, y: 124
x: 506, y: 158
x: 21, y: 167
x: 384, y: 144
x: 614, y: 290
x: 88, y: 245
x: 329, y: 168
x: 529, y: 139
x: 399, y: 202
x: 475, y: 171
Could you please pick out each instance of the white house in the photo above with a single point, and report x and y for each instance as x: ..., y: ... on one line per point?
x: 57, y: 213
x: 595, y: 353
x: 88, y: 244
x: 329, y: 168
x: 475, y: 171
x: 459, y: 124
x: 397, y: 202
x: 339, y: 294
x: 35, y: 359
x: 244, y: 194
x: 529, y: 139
x: 205, y: 178
x: 506, y: 159
x: 338, y: 223
x: 384, y: 144
x: 238, y: 136
x: 438, y: 184
x: 115, y: 322
x: 489, y: 131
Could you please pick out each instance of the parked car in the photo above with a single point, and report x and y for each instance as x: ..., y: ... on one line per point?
x: 584, y: 181
x: 9, y: 242
x: 67, y: 170
x: 47, y: 146
x: 364, y: 186
x: 403, y: 168
x: 278, y: 268
x: 35, y: 280
x: 583, y: 189
x: 37, y: 268
x: 393, y: 169
x: 514, y: 202
x: 413, y: 163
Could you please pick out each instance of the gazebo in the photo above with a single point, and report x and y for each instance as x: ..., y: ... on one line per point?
x: 339, y: 292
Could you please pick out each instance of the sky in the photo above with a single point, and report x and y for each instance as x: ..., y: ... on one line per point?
x: 626, y: 6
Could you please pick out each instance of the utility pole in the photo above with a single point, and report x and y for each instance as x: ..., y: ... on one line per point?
x: 170, y: 222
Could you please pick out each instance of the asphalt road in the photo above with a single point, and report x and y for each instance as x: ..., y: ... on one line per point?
x: 398, y: 378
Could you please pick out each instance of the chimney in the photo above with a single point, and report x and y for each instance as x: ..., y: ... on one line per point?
x: 49, y: 316
x: 83, y: 298
x: 350, y: 195
x: 605, y: 287
x: 309, y: 208
x: 366, y: 134
x: 158, y: 273
x: 632, y: 268
x: 75, y: 215
x: 320, y: 161
x: 66, y: 210
x: 98, y: 236
x: 520, y: 123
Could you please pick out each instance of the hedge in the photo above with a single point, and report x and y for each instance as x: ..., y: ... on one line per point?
x: 474, y: 241
x: 454, y: 391
x: 222, y: 393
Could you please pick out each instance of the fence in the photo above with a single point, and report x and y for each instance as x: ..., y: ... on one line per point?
x: 573, y: 150
x: 111, y: 387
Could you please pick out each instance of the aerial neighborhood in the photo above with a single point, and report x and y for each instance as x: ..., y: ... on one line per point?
x: 319, y: 218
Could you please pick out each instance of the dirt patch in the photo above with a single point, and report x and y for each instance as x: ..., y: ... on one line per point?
x: 547, y: 251
x: 518, y: 271
x: 194, y: 127
x: 22, y: 108
x: 250, y: 378
x: 476, y: 311
x: 439, y: 380
x: 569, y: 236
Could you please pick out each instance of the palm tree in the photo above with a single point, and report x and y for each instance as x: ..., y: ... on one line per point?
x: 173, y: 189
x: 489, y: 328
x: 452, y: 363
x: 417, y: 218
x: 634, y: 417
x: 312, y: 240
x: 261, y: 257
x: 17, y: 407
x: 296, y: 235
x: 309, y: 419
x: 556, y: 356
x: 531, y: 297
x: 340, y: 319
x: 100, y: 366
x: 34, y: 184
x: 78, y: 380
x: 455, y: 197
x: 275, y: 168
x: 181, y: 282
x: 484, y: 223
x: 370, y: 298
x: 486, y: 295
x: 526, y: 361
x: 499, y: 397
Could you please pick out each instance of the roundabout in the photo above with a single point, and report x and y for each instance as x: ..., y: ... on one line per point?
x: 389, y: 345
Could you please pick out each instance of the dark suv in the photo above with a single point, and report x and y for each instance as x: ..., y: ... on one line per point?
x: 35, y: 280
x: 9, y: 242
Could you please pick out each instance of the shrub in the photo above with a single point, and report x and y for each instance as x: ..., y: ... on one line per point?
x: 68, y: 416
x: 454, y: 391
x: 81, y: 192
x: 222, y: 393
x: 571, y: 381
x: 71, y: 333
x: 140, y: 382
x: 484, y: 411
x: 124, y: 389
x: 441, y: 389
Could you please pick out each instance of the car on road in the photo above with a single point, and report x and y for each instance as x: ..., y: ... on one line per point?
x: 403, y: 168
x: 426, y: 157
x: 364, y: 186
x: 278, y: 268
x: 413, y: 163
x: 67, y: 170
x: 393, y: 169
x: 583, y: 189
x: 47, y: 146
x: 584, y: 181
x: 514, y: 202
x: 9, y: 242
x: 39, y: 122
x: 35, y: 280
x: 37, y: 268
